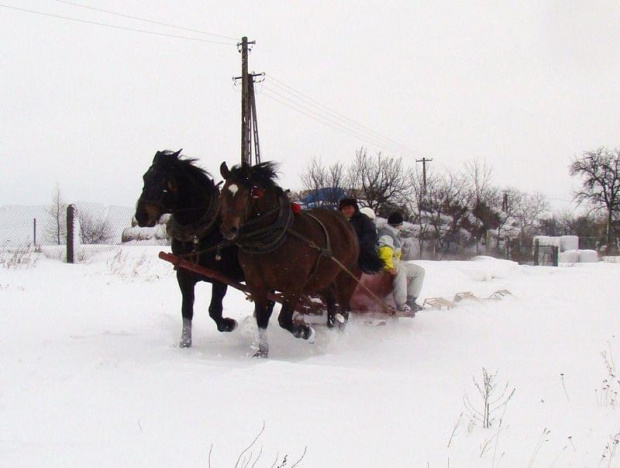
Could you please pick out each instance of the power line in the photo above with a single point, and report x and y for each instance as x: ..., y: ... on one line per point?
x: 137, y: 18
x: 321, y: 118
x: 320, y: 112
x: 327, y: 121
x: 68, y: 18
x: 335, y: 122
x: 332, y: 119
x: 299, y: 95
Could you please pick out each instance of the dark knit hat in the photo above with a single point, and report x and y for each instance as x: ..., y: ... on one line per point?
x: 348, y: 202
x: 395, y: 219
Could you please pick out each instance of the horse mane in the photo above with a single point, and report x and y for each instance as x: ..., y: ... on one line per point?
x: 263, y: 174
x: 184, y: 166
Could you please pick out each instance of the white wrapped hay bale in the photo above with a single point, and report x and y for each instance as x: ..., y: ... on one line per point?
x: 569, y: 243
x: 588, y: 256
x: 570, y: 256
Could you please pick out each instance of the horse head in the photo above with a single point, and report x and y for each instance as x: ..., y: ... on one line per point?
x: 159, y: 190
x: 248, y: 192
x: 176, y: 185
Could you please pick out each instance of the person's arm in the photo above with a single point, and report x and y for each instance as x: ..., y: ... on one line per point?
x: 387, y: 253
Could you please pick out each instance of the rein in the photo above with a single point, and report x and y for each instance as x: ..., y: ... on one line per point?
x: 326, y: 252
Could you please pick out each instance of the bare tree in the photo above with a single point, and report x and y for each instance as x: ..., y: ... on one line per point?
x: 479, y: 176
x: 484, y: 198
x: 418, y: 201
x: 446, y: 204
x: 567, y: 223
x: 379, y: 180
x: 94, y: 230
x: 600, y: 178
x: 57, y: 211
x: 325, y: 184
x: 529, y: 210
x: 336, y: 182
x: 314, y: 178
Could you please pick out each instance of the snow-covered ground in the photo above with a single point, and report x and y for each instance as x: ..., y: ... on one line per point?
x: 90, y: 374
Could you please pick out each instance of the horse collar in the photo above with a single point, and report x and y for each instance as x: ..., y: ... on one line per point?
x: 268, y: 238
x: 197, y: 230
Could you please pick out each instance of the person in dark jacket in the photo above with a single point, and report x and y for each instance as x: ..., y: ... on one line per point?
x: 370, y: 262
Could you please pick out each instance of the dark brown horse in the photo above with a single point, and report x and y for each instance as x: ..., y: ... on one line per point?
x: 176, y: 185
x: 287, y: 252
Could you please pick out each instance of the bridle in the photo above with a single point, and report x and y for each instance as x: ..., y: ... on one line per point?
x: 192, y: 232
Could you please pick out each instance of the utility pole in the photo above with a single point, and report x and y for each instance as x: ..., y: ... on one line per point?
x: 249, y: 123
x: 423, y: 161
x: 505, y: 202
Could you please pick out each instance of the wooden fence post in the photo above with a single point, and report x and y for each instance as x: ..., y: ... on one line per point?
x: 71, y: 234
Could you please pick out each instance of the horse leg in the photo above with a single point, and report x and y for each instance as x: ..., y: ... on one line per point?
x: 262, y: 312
x: 186, y: 284
x: 285, y: 319
x: 329, y: 295
x: 345, y: 286
x: 218, y: 291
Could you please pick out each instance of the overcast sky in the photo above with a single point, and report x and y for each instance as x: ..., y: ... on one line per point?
x: 524, y: 86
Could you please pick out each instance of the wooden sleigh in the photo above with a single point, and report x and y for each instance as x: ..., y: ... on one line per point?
x: 366, y: 299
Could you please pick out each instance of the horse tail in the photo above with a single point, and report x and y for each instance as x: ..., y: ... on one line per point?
x: 369, y: 261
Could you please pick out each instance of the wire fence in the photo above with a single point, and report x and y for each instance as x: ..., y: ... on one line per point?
x: 40, y: 226
x: 36, y: 226
x: 520, y: 250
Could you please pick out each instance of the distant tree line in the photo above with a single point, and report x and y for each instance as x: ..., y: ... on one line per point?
x: 464, y: 209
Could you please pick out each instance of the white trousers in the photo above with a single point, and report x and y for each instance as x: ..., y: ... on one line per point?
x: 407, y: 282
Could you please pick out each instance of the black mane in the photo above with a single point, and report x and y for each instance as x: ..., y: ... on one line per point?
x: 182, y: 166
x: 262, y: 174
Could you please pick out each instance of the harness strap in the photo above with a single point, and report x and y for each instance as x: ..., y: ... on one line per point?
x: 324, y: 252
x: 269, y: 238
x: 327, y: 253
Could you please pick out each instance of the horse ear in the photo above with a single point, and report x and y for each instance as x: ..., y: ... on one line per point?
x: 158, y: 157
x: 224, y: 171
x: 178, y: 153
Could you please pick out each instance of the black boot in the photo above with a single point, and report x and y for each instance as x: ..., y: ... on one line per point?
x: 411, y: 302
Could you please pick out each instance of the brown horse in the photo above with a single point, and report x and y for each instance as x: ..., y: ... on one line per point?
x: 296, y: 254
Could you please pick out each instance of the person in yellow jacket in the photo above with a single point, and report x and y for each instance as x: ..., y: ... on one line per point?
x: 408, y: 277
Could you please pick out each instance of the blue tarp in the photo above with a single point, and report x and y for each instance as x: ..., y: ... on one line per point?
x: 329, y: 194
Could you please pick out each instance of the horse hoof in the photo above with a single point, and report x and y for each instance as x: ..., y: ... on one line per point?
x: 340, y: 318
x: 185, y: 344
x: 227, y: 325
x: 311, y: 336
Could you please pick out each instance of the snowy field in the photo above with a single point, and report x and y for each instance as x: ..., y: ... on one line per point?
x: 90, y: 374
